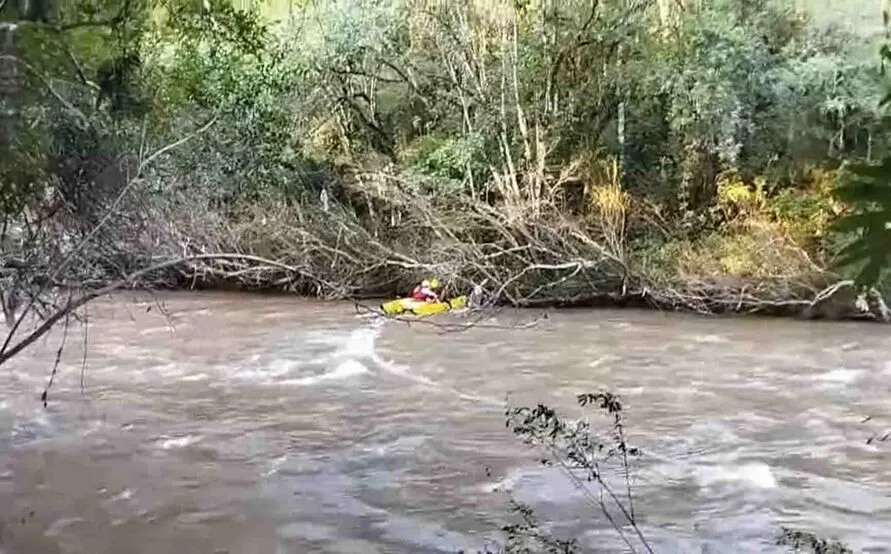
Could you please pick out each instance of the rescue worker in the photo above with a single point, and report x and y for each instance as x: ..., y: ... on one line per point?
x: 427, y: 291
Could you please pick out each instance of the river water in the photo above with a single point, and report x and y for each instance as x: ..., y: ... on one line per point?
x: 211, y: 423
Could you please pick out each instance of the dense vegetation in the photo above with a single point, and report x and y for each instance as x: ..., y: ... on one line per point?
x: 685, y: 154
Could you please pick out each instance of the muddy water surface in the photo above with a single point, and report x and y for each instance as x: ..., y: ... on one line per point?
x: 248, y: 424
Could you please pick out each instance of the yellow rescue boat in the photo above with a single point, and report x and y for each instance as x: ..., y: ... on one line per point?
x: 422, y: 309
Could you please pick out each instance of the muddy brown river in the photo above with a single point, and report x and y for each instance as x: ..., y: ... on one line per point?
x: 252, y: 424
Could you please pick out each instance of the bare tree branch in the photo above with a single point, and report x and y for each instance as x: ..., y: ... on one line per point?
x: 86, y: 240
x: 72, y: 304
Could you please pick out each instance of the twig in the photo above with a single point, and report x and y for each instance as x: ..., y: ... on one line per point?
x: 43, y: 397
x: 597, y: 502
x: 76, y: 250
x: 46, y: 83
x: 83, y: 364
x: 541, y: 426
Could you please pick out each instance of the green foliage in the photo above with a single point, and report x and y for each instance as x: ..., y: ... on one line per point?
x: 225, y: 64
x: 509, y: 103
x: 527, y: 536
x: 752, y: 86
x: 215, y: 59
x: 74, y: 65
x: 868, y: 192
x: 217, y: 23
x: 20, y: 173
x: 789, y: 204
x: 454, y: 158
x: 119, y: 81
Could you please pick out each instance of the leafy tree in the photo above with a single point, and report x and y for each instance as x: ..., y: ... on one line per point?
x: 867, y: 191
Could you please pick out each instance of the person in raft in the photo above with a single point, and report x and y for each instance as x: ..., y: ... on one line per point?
x: 427, y: 291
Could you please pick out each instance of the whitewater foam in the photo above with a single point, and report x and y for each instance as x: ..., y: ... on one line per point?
x: 842, y: 376
x: 756, y: 475
x: 348, y: 368
x: 181, y: 442
x: 361, y: 342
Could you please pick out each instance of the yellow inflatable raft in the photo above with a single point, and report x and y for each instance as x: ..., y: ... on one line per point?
x: 422, y: 309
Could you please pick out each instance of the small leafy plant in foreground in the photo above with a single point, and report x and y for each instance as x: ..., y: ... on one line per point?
x: 582, y: 453
x: 803, y: 541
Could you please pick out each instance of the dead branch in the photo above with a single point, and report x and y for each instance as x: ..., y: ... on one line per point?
x: 59, y: 268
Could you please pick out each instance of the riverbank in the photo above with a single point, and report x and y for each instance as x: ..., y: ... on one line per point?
x: 549, y: 261
x: 360, y: 248
x: 352, y: 247
x: 838, y: 302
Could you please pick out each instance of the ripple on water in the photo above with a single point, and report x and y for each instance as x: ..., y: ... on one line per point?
x: 539, y: 485
x: 708, y: 339
x: 58, y: 526
x: 308, y: 531
x: 401, y: 445
x: 431, y: 537
x: 196, y: 377
x: 845, y: 497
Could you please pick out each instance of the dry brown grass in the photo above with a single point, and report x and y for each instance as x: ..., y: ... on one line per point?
x: 754, y: 250
x: 609, y: 205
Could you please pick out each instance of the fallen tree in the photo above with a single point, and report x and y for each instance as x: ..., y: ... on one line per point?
x: 331, y: 253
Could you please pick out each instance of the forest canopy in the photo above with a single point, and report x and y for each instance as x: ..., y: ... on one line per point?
x: 558, y: 151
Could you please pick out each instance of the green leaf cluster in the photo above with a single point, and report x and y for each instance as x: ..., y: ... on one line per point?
x: 867, y: 191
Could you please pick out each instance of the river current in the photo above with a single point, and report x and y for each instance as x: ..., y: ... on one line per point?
x: 214, y: 423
